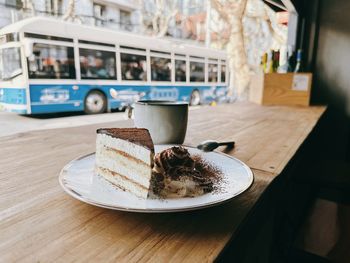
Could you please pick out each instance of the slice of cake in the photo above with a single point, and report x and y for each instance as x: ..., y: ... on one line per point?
x: 124, y: 157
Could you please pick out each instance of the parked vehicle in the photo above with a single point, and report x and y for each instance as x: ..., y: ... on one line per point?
x: 47, y: 65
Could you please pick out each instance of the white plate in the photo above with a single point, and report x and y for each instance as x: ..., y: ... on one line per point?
x: 78, y: 179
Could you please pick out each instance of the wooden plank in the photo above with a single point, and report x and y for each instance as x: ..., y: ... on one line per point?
x: 277, y: 89
x: 39, y: 222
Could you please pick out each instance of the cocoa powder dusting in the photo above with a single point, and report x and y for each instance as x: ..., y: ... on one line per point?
x: 208, y: 172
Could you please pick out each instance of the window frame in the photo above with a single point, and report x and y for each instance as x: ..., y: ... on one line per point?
x: 186, y: 71
x: 168, y: 55
x: 98, y: 48
x: 137, y: 53
x: 59, y: 44
x: 43, y: 39
x: 197, y: 59
x: 215, y: 62
x: 222, y: 63
x: 78, y: 44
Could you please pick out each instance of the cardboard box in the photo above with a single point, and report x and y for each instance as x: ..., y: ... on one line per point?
x: 281, y: 89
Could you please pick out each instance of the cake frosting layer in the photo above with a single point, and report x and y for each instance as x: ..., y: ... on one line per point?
x: 135, y: 150
x: 139, y: 136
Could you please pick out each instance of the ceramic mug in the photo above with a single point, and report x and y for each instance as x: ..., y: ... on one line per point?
x: 165, y: 120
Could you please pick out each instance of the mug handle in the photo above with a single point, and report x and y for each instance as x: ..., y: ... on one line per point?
x: 129, y: 111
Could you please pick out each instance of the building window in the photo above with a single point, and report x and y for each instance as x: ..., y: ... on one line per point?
x: 160, y: 69
x: 212, y: 72
x: 99, y: 14
x: 18, y: 4
x: 196, y: 71
x: 133, y: 67
x: 51, y: 62
x: 180, y: 70
x: 125, y: 20
x: 54, y: 7
x: 223, y: 72
x: 97, y: 64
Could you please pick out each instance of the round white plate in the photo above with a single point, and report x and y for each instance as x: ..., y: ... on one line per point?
x: 79, y: 180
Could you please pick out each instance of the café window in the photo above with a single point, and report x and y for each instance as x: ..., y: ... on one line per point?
x: 51, y: 62
x: 180, y: 70
x: 196, y: 71
x: 133, y: 67
x: 212, y: 72
x: 97, y: 64
x: 223, y: 72
x: 160, y: 69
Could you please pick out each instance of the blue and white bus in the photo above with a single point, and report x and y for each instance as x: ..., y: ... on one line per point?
x: 47, y: 65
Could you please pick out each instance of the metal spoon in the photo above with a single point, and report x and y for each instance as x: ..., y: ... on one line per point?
x: 210, y: 145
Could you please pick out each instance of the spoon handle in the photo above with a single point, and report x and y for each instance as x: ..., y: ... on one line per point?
x: 232, y: 143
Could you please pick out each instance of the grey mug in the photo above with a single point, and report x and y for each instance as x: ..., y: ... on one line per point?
x: 165, y: 120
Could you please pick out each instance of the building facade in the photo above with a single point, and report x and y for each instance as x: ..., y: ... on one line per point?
x: 114, y: 14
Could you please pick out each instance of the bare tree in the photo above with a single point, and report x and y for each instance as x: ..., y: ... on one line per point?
x: 261, y: 32
x: 157, y: 15
x: 70, y: 13
x: 232, y: 11
x: 253, y: 29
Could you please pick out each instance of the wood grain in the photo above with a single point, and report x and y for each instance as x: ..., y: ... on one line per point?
x: 40, y: 223
x: 276, y: 89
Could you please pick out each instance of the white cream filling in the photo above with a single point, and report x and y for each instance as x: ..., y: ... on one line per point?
x: 122, y: 183
x: 182, y: 188
x: 137, y: 172
x: 130, y: 148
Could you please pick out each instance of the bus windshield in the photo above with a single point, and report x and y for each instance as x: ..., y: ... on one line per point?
x: 10, y: 63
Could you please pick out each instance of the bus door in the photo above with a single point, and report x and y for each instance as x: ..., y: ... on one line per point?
x: 13, y: 78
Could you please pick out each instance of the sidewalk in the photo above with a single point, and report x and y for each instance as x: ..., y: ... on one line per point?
x: 11, y: 123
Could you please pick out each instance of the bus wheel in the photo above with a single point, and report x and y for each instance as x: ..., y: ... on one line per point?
x: 195, y: 98
x: 95, y: 102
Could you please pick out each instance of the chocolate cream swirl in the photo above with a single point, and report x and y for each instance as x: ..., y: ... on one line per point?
x: 173, y: 159
x: 176, y: 175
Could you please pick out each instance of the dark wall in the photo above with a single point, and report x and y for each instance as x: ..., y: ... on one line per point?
x: 327, y: 50
x: 332, y: 62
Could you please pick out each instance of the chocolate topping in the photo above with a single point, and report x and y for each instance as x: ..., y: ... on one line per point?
x: 138, y: 136
x: 174, y: 167
x: 174, y: 157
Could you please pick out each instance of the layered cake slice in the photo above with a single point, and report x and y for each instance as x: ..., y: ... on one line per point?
x: 124, y: 157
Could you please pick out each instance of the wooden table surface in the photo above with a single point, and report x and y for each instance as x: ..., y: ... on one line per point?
x: 40, y: 223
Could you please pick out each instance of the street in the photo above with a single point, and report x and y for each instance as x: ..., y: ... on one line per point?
x: 12, y: 123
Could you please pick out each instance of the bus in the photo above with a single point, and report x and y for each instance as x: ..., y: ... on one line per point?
x: 48, y: 66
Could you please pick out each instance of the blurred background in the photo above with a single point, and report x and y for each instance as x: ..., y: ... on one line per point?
x: 255, y: 37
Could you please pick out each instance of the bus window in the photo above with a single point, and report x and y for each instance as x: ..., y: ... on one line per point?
x: 97, y: 64
x: 160, y: 69
x: 212, y: 72
x: 180, y: 70
x: 10, y: 63
x: 133, y: 67
x: 223, y: 72
x: 196, y: 71
x: 51, y: 62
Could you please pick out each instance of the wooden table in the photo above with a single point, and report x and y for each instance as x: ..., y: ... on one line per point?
x: 40, y: 223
